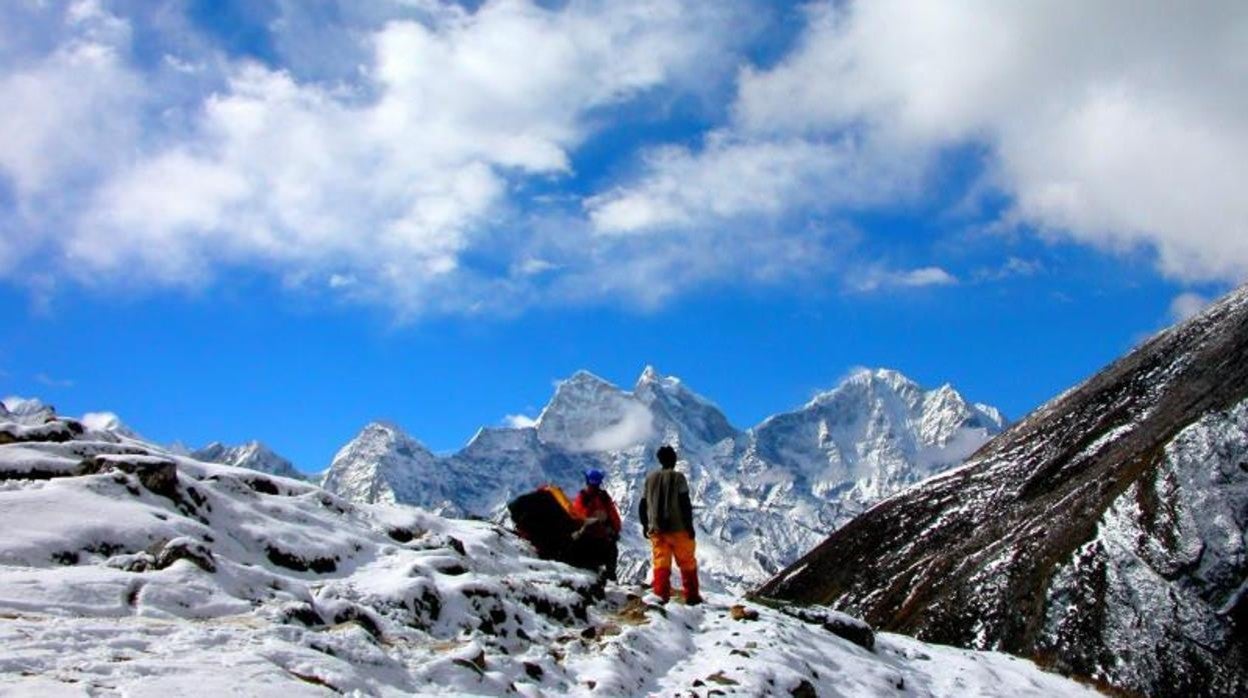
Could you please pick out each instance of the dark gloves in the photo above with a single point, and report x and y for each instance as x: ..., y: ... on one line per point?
x: 645, y: 531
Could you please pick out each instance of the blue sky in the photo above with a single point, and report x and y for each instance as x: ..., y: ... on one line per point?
x: 280, y: 220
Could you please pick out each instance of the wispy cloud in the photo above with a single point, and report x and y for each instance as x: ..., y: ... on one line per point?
x: 635, y: 426
x: 45, y: 379
x: 519, y: 421
x: 879, y: 278
x: 1187, y: 305
x: 1011, y: 268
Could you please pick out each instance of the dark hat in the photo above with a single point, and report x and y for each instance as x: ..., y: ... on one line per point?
x: 666, y: 455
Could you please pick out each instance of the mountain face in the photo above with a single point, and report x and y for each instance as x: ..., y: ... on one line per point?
x: 385, y: 465
x: 762, y: 496
x: 253, y: 455
x: 1104, y: 534
x: 25, y: 411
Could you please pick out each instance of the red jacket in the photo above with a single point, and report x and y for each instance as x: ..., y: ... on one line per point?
x: 597, y: 504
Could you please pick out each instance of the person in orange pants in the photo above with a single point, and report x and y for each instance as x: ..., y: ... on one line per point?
x: 667, y: 520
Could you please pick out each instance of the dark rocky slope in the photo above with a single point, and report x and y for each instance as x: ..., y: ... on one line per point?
x: 1103, y: 534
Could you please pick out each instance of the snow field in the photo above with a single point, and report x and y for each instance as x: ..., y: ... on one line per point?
x: 126, y: 570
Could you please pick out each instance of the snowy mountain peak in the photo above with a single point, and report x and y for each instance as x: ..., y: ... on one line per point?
x: 888, y: 376
x: 867, y: 381
x: 107, y: 421
x: 27, y: 410
x: 384, y: 429
x: 384, y: 464
x: 649, y: 375
x: 588, y: 413
x: 584, y: 380
x: 651, y: 380
x: 253, y: 455
x: 690, y: 418
x: 871, y: 435
x: 764, y: 496
x: 577, y: 393
x: 384, y: 437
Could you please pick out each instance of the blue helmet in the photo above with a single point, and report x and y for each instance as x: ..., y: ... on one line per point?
x: 594, y: 476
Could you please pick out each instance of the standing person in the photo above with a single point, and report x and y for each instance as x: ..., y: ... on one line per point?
x: 599, y: 536
x: 667, y: 520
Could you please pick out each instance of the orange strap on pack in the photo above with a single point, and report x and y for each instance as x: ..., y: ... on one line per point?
x: 562, y: 498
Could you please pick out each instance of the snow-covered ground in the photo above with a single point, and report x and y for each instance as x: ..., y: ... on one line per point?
x: 129, y: 570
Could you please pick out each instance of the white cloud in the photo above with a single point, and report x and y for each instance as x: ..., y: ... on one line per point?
x: 1118, y: 124
x: 519, y: 421
x: 396, y: 145
x: 1186, y: 306
x: 731, y: 178
x: 533, y: 266
x: 102, y: 421
x: 646, y: 269
x: 341, y: 281
x: 67, y: 116
x: 389, y: 173
x: 635, y: 426
x: 881, y: 278
x: 1012, y: 267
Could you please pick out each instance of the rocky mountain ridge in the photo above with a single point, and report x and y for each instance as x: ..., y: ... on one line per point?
x: 1105, y: 534
x: 253, y: 455
x: 763, y: 495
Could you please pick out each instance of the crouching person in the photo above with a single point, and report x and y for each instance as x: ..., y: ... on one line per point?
x: 667, y: 520
x: 597, y: 540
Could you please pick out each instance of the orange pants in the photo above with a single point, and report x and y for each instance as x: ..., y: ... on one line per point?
x: 678, y: 544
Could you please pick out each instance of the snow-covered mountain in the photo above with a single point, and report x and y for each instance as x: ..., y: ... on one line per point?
x: 1106, y: 533
x: 126, y: 569
x: 253, y: 455
x: 382, y: 464
x: 110, y: 422
x: 26, y: 411
x: 763, y: 496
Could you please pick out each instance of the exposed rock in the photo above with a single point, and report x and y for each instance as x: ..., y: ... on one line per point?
x: 840, y: 624
x: 354, y: 614
x: 57, y: 431
x: 281, y: 558
x: 159, y: 475
x: 186, y: 549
